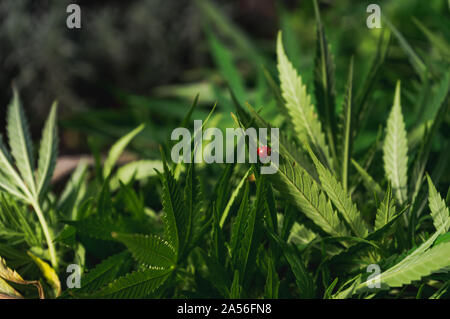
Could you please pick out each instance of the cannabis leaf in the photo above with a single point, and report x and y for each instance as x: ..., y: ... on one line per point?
x: 47, y: 153
x: 134, y: 285
x: 299, y: 107
x: 23, y: 185
x: 305, y: 194
x: 118, y: 148
x: 395, y: 149
x: 324, y: 83
x: 439, y: 211
x: 20, y: 141
x: 386, y: 211
x: 149, y: 249
x: 341, y: 199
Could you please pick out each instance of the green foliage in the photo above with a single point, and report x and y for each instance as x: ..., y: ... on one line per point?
x: 395, y: 150
x: 155, y: 229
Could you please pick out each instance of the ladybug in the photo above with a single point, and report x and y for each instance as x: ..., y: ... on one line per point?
x: 263, y: 151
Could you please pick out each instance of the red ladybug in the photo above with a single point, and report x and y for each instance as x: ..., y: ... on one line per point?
x: 263, y: 151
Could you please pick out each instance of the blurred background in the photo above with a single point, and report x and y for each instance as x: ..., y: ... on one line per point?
x: 145, y: 60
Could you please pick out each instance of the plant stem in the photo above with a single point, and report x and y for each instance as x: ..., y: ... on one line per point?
x: 45, y: 228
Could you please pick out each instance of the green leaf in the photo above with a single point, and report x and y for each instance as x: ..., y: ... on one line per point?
x: 7, y: 184
x: 218, y: 275
x: 304, y: 280
x: 47, y: 153
x: 224, y: 61
x: 368, y: 180
x: 298, y: 104
x: 173, y: 203
x: 191, y: 199
x: 117, y: 149
x: 413, y: 57
x: 427, y: 141
x: 233, y: 197
x: 302, y: 191
x: 250, y: 234
x: 219, y: 250
x: 73, y: 191
x: 149, y: 249
x: 324, y: 83
x: 137, y: 284
x: 386, y: 211
x: 20, y: 141
x: 429, y: 262
x: 420, y: 263
x: 239, y: 223
x: 48, y: 272
x: 136, y: 170
x: 395, y: 150
x: 440, y: 43
x: 272, y: 280
x: 341, y: 199
x: 100, y: 275
x: 289, y: 150
x: 347, y: 128
x: 236, y: 288
x: 362, y: 98
x: 439, y: 211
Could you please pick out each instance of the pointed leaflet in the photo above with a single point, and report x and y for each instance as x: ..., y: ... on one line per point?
x: 304, y: 280
x: 99, y: 276
x: 368, y: 180
x: 324, y: 83
x: 299, y: 107
x: 236, y: 288
x: 135, y: 285
x: 272, y: 279
x: 8, y: 186
x: 386, y: 211
x: 191, y: 192
x: 439, y: 211
x: 224, y: 62
x: 301, y: 190
x: 233, y: 197
x: 415, y: 60
x: 48, y: 152
x: 414, y: 266
x: 136, y: 170
x: 341, y: 199
x: 174, y: 215
x: 347, y: 128
x: 149, y: 249
x: 249, y: 237
x: 238, y: 225
x: 117, y: 149
x: 362, y: 104
x: 420, y: 162
x: 395, y: 149
x: 48, y: 272
x: 20, y: 141
x: 420, y: 266
x: 73, y: 191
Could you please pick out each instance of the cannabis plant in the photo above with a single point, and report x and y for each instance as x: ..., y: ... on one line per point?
x: 330, y: 223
